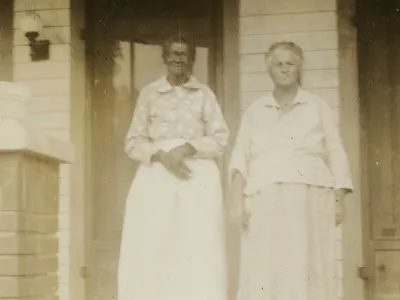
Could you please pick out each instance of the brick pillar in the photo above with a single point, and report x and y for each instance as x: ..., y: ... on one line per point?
x: 29, y: 181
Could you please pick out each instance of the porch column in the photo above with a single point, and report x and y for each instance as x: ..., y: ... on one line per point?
x: 29, y: 181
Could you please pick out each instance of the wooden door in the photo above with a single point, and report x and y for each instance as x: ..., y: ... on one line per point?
x: 379, y: 63
x: 6, y: 40
x: 125, y: 55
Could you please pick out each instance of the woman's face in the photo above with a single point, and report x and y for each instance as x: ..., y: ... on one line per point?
x: 177, y: 60
x: 284, y: 68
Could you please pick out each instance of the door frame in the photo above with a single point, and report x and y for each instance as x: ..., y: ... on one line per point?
x: 355, y: 229
x: 80, y: 199
x: 367, y: 264
x: 228, y: 91
x: 365, y: 18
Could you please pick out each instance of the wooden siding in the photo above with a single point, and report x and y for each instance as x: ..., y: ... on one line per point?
x: 312, y: 24
x: 49, y: 111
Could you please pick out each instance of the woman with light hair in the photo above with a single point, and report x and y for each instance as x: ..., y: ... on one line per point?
x: 289, y: 175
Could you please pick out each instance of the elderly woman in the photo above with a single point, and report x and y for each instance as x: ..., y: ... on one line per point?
x: 173, y: 245
x: 289, y: 175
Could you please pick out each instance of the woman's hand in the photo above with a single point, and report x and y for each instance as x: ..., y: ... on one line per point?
x: 340, y: 212
x: 340, y: 194
x: 340, y: 208
x: 174, y: 160
x: 238, y: 215
x: 245, y: 222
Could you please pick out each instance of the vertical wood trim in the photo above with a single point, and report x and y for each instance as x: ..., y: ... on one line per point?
x: 228, y: 73
x: 225, y: 62
x: 6, y: 39
x: 394, y: 75
x: 362, y: 13
x: 352, y: 234
x: 368, y: 253
x: 216, y: 52
x: 79, y: 172
x: 214, y: 49
x: 89, y: 53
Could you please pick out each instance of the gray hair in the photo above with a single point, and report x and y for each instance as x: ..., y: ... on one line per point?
x: 292, y: 47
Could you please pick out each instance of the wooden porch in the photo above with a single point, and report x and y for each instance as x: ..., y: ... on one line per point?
x: 370, y: 233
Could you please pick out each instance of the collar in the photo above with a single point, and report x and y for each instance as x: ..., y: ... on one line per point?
x: 301, y: 98
x: 163, y: 86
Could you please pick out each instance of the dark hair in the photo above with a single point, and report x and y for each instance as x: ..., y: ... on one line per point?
x: 181, y: 39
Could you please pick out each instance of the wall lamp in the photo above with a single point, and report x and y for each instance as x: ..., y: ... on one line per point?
x: 31, y: 27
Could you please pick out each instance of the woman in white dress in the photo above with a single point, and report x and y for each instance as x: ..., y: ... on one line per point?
x: 289, y: 176
x: 173, y: 241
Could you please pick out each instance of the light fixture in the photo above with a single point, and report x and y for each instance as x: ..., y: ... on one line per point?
x: 31, y: 27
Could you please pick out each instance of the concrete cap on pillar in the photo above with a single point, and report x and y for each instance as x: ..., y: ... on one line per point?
x: 14, y: 132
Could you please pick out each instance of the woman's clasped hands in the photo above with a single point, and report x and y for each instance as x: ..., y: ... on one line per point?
x: 174, y: 160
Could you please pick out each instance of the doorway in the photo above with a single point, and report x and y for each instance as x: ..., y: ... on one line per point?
x: 6, y: 40
x: 378, y: 24
x: 124, y: 54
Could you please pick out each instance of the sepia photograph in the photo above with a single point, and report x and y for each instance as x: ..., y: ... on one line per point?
x: 200, y: 149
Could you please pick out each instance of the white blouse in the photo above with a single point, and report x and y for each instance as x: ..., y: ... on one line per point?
x: 302, y: 145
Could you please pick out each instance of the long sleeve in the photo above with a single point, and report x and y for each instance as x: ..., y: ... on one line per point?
x: 138, y: 146
x: 240, y: 153
x: 216, y: 133
x: 336, y: 154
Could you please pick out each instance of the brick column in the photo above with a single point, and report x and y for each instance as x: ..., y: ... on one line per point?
x: 29, y: 181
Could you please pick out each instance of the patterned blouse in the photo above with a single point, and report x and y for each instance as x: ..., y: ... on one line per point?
x: 189, y: 112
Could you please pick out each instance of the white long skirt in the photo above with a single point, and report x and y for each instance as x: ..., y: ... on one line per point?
x: 288, y: 250
x: 173, y: 241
